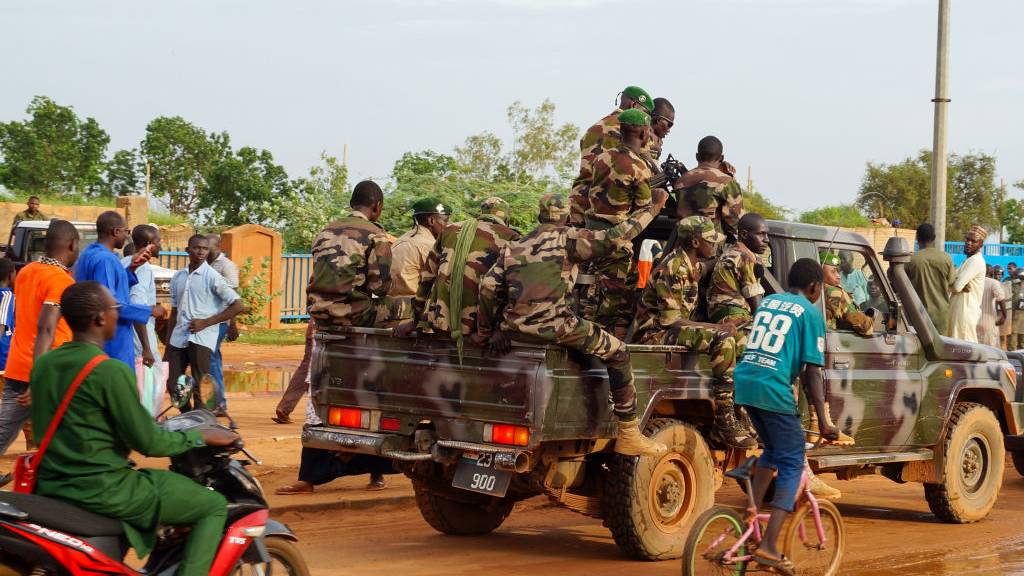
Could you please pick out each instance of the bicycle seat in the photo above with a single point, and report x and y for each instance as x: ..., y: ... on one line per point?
x: 61, y: 516
x: 743, y: 471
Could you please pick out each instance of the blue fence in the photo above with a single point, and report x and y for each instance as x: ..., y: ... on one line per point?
x: 995, y: 254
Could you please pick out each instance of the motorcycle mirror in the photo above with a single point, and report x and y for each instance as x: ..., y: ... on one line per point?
x: 181, y: 392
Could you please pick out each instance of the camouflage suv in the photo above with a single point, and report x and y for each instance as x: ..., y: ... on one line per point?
x: 479, y: 435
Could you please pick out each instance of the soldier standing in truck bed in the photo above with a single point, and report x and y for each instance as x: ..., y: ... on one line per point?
x: 710, y: 189
x: 621, y: 185
x: 351, y: 264
x: 482, y: 240
x: 526, y: 295
x: 665, y: 317
x: 602, y: 136
x: 735, y: 290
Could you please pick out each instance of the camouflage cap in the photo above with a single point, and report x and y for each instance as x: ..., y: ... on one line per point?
x: 640, y: 95
x: 553, y: 207
x: 829, y: 258
x: 429, y: 206
x: 634, y: 117
x: 699, y: 227
x: 496, y: 207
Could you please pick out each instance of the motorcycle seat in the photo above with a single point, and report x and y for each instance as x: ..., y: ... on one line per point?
x: 61, y: 516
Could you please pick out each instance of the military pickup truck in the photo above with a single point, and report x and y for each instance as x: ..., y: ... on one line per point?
x: 478, y: 435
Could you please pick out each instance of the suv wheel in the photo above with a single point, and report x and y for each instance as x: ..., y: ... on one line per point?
x: 972, y: 471
x: 650, y: 503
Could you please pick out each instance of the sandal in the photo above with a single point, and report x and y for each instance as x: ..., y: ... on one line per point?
x: 781, y: 565
x: 299, y: 487
x: 376, y: 484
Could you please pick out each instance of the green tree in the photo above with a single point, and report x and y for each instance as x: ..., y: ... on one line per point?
x: 315, y: 201
x: 242, y: 189
x: 1012, y: 215
x: 974, y: 196
x: 125, y: 174
x: 542, y: 150
x: 845, y: 215
x: 481, y: 157
x: 181, y: 156
x: 754, y: 201
x: 53, y: 152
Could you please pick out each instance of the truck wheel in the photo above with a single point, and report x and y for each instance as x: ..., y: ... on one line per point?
x: 650, y: 504
x: 461, y: 517
x: 972, y: 472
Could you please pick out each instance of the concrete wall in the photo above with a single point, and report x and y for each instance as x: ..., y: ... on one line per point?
x: 259, y: 243
x: 135, y: 209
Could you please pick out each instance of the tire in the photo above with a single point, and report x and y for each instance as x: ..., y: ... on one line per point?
x: 471, y: 516
x: 649, y: 505
x: 712, y: 523
x: 972, y: 471
x: 809, y: 554
x: 284, y: 554
x: 1018, y: 462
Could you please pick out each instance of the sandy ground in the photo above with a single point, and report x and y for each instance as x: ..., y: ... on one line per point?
x: 346, y: 530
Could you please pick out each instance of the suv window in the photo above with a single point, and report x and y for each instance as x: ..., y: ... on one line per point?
x: 860, y: 278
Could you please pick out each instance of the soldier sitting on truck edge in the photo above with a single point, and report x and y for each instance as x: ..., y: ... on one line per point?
x: 736, y: 290
x: 602, y: 136
x: 351, y: 264
x: 527, y: 293
x: 710, y: 189
x: 481, y: 241
x: 621, y: 185
x: 665, y: 312
x: 409, y: 255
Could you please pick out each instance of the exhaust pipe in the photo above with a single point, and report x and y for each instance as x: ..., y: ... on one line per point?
x: 518, y: 461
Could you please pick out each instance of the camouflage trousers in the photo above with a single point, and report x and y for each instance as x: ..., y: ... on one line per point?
x: 742, y: 321
x: 718, y: 345
x: 392, y: 311
x: 365, y: 313
x: 588, y: 338
x: 614, y: 290
x: 1015, y: 341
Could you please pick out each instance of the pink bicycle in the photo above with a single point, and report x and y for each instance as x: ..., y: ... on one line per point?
x: 722, y: 542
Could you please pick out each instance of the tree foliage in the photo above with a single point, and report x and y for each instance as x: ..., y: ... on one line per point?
x: 125, y: 174
x: 244, y: 188
x: 181, y: 156
x: 314, y: 202
x: 540, y: 149
x: 754, y: 201
x: 1011, y: 214
x: 53, y: 152
x: 844, y: 215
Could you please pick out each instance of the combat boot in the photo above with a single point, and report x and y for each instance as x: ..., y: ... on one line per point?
x: 728, y: 429
x: 822, y: 490
x: 630, y: 442
x: 814, y: 430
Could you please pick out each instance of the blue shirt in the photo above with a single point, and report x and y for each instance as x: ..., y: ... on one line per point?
x: 100, y: 264
x: 787, y: 332
x: 7, y: 319
x: 199, y: 295
x: 144, y: 292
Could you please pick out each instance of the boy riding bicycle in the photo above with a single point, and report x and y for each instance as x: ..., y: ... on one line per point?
x: 787, y: 340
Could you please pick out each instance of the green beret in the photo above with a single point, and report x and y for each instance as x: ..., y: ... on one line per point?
x: 553, y: 207
x: 828, y: 258
x: 496, y: 207
x: 429, y: 206
x: 640, y: 95
x: 634, y: 117
x: 699, y: 227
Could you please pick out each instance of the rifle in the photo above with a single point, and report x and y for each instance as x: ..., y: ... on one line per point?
x: 671, y: 170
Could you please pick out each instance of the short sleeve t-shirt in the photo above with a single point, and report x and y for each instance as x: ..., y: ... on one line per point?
x: 7, y: 319
x: 35, y: 285
x: 787, y: 332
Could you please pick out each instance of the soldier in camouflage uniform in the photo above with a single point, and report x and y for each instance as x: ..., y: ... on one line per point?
x: 662, y: 120
x: 665, y: 313
x: 431, y: 306
x: 602, y: 136
x: 526, y: 295
x: 351, y: 264
x: 840, y: 311
x: 710, y: 189
x: 621, y: 185
x: 735, y: 291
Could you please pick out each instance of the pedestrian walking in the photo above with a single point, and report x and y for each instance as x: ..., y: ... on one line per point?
x: 99, y: 263
x: 931, y: 272
x: 200, y: 300
x: 968, y: 288
x: 297, y: 385
x: 223, y: 265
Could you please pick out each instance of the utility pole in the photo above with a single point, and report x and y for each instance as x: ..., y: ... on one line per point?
x: 344, y: 155
x: 750, y: 181
x: 147, y: 178
x: 941, y: 100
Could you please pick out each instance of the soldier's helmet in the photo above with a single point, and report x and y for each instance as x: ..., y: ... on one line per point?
x: 699, y: 227
x: 553, y: 207
x: 429, y: 206
x: 495, y: 207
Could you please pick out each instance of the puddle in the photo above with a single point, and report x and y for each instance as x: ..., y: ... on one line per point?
x: 995, y: 561
x: 255, y: 382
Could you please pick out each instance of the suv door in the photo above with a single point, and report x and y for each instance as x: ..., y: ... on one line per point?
x: 874, y: 383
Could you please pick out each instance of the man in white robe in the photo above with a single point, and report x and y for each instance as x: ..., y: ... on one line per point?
x: 967, y: 288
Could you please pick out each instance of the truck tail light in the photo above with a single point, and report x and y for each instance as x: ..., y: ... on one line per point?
x: 348, y: 417
x: 390, y: 424
x: 507, y: 434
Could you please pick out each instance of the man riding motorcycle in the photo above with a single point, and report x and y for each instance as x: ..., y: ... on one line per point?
x: 87, y: 461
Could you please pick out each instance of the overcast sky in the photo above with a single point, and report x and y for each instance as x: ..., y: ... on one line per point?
x: 803, y: 91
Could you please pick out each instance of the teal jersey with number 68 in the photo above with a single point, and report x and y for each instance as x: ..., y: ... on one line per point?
x: 787, y: 332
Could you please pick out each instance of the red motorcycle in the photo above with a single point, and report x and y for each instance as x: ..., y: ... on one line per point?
x: 44, y: 536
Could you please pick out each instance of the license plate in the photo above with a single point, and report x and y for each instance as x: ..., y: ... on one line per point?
x: 475, y: 472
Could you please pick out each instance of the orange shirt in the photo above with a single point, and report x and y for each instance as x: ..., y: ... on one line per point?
x: 35, y: 285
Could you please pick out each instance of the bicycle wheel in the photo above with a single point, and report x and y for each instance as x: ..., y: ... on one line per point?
x: 713, y: 534
x: 812, y: 555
